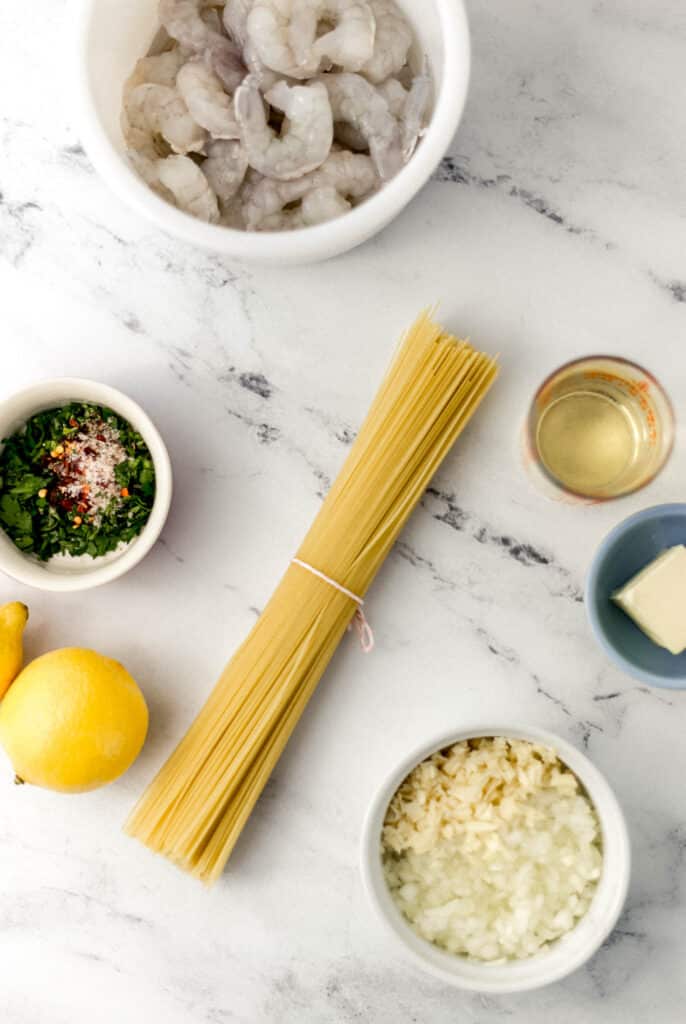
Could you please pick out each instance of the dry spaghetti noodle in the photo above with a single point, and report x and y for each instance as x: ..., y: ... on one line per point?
x: 194, y: 810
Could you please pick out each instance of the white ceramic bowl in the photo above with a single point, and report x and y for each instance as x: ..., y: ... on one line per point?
x: 59, y: 576
x: 110, y: 35
x: 569, y: 952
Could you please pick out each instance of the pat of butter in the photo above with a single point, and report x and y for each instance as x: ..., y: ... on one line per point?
x: 656, y: 599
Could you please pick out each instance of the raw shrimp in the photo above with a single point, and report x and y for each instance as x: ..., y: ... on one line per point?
x: 154, y: 110
x: 391, y: 44
x: 236, y: 20
x: 308, y: 128
x: 349, y: 44
x: 322, y: 204
x: 317, y: 206
x: 268, y: 29
x: 354, y: 100
x: 351, y: 175
x: 189, y: 187
x: 348, y: 136
x: 260, y: 73
x: 183, y: 21
x: 146, y: 166
x: 208, y: 103
x: 161, y: 69
x: 414, y: 115
x: 409, y: 106
x: 395, y: 94
x: 264, y: 76
x: 225, y: 169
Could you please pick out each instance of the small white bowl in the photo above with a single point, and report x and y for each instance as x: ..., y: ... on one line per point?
x: 565, y: 955
x: 110, y: 36
x: 60, y: 576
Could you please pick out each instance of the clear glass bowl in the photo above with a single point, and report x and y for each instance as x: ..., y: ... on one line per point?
x: 598, y: 427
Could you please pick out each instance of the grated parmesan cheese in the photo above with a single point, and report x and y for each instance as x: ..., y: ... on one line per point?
x: 84, y: 467
x: 491, y: 849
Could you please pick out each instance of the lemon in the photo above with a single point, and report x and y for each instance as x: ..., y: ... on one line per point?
x: 73, y: 720
x: 13, y: 618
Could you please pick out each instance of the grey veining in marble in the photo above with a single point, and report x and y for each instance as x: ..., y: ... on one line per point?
x: 555, y: 226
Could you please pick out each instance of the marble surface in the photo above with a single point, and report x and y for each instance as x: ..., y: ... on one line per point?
x: 556, y: 226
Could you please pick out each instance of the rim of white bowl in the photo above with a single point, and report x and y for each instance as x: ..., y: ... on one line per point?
x: 313, y: 243
x: 15, y: 410
x: 569, y: 952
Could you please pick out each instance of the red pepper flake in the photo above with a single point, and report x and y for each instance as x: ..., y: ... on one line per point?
x: 86, y: 482
x: 124, y: 492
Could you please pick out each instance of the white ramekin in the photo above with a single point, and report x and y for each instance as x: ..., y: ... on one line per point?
x: 569, y: 952
x: 14, y: 412
x: 110, y: 35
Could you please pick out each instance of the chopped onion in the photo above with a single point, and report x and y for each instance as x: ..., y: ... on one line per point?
x: 491, y: 849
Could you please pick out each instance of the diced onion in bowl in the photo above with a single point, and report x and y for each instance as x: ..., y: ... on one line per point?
x: 491, y: 849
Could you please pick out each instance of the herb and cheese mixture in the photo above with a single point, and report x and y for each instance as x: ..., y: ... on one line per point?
x: 77, y: 480
x: 491, y: 849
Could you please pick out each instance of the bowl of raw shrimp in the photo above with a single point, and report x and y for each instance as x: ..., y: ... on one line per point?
x: 270, y: 131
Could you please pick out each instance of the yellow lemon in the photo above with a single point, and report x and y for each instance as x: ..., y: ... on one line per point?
x: 13, y: 618
x: 73, y: 720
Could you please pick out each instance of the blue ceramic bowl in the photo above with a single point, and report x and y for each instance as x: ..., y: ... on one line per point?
x: 626, y: 550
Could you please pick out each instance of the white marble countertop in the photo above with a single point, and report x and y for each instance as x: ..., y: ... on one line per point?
x: 557, y: 226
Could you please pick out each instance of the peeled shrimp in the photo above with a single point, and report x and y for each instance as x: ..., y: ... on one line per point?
x: 153, y: 110
x: 395, y: 94
x: 189, y: 187
x: 208, y: 103
x: 409, y: 106
x: 322, y: 204
x: 317, y: 206
x: 392, y: 42
x: 414, y: 115
x: 308, y: 128
x: 236, y: 20
x: 350, y: 175
x: 146, y: 165
x: 268, y: 29
x: 350, y: 42
x: 355, y: 101
x: 225, y: 169
x: 264, y: 76
x: 161, y: 69
x: 183, y: 21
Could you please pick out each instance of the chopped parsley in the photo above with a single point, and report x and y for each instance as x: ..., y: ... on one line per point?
x: 78, y: 480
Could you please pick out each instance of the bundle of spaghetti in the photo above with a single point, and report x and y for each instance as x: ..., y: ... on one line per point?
x: 194, y: 810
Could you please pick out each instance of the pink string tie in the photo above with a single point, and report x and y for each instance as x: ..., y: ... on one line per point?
x: 364, y: 630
